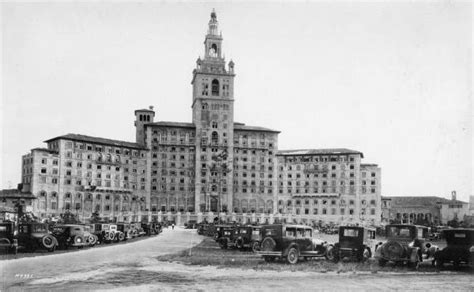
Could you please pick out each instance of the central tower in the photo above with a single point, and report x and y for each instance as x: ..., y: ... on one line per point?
x: 213, y: 117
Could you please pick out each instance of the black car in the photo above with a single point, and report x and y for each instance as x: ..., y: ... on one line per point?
x: 152, y: 228
x: 291, y: 242
x: 247, y: 237
x: 405, y: 244
x: 459, y: 249
x: 8, y: 241
x: 354, y: 243
x: 70, y: 235
x: 34, y: 235
x: 226, y: 236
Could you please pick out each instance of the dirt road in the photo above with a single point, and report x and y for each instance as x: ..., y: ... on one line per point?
x: 134, y: 266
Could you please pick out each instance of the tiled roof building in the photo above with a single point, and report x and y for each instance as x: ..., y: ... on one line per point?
x: 423, y: 209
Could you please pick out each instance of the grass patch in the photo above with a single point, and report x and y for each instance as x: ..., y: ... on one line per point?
x: 208, y: 253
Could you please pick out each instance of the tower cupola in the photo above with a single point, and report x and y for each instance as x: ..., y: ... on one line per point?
x: 213, y: 24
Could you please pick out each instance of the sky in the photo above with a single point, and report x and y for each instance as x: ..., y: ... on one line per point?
x: 392, y: 80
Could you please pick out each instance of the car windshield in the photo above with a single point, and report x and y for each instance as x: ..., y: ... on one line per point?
x: 256, y: 232
x: 243, y: 231
x: 458, y: 237
x: 38, y: 228
x: 270, y: 232
x: 308, y: 233
x: 59, y: 229
x: 398, y: 231
x: 3, y: 228
x: 351, y: 232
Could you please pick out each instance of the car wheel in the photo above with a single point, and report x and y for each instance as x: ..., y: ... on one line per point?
x: 94, y: 240
x: 223, y: 244
x: 382, y: 262
x: 332, y: 254
x: 48, y: 241
x: 292, y: 256
x: 255, y: 246
x: 268, y: 244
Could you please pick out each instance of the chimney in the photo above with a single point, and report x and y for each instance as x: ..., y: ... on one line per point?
x: 453, y: 195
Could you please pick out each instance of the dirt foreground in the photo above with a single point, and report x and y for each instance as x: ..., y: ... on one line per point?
x: 152, y: 265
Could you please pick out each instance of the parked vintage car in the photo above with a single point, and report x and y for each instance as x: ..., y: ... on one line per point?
x: 354, y: 243
x: 91, y: 239
x: 247, y: 237
x: 191, y: 224
x: 225, y: 236
x: 459, y: 249
x: 34, y: 235
x: 70, y: 235
x: 149, y: 228
x: 405, y: 244
x: 126, y: 229
x: 202, y: 228
x: 218, y: 231
x: 137, y: 229
x: 114, y: 234
x: 8, y: 241
x: 291, y: 242
x: 102, y: 231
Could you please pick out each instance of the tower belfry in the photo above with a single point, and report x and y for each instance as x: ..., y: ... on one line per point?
x: 213, y: 117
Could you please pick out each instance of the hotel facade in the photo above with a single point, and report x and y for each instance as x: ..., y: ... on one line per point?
x: 210, y: 167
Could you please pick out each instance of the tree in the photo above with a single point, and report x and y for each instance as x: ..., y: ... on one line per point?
x: 453, y: 223
x: 68, y: 218
x: 95, y: 217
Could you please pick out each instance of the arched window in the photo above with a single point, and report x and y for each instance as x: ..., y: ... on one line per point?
x: 205, y: 106
x: 214, y: 138
x: 215, y: 87
x: 214, y: 125
x: 213, y: 50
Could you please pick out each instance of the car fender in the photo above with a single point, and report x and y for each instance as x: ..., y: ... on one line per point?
x: 414, y: 254
x: 378, y: 251
x: 285, y: 252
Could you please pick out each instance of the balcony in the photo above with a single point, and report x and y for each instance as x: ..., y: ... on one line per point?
x: 107, y: 162
x: 175, y: 142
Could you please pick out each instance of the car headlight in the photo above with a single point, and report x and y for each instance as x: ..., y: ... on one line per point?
x: 471, y: 249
